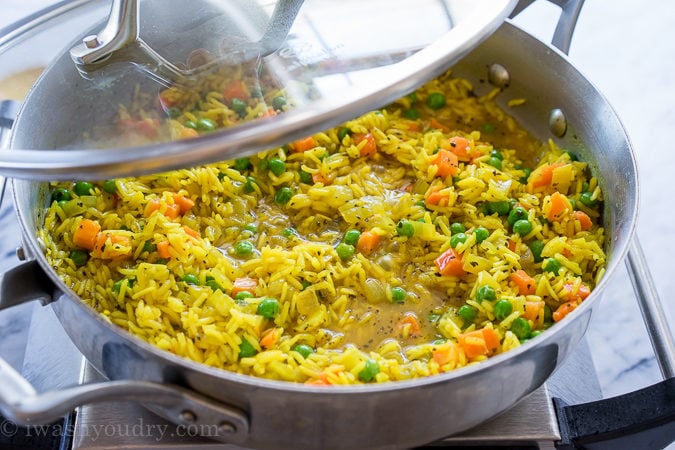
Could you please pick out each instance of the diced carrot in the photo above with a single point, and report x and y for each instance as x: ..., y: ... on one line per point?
x: 479, y: 342
x: 445, y: 353
x: 370, y: 146
x: 152, y: 206
x: 559, y: 204
x: 584, y: 220
x: 434, y: 123
x: 317, y: 177
x: 542, y: 176
x: 86, y: 233
x: 302, y: 145
x: 491, y: 339
x: 460, y: 146
x: 171, y: 210
x: 191, y: 232
x: 270, y: 337
x: 449, y: 263
x: 412, y: 125
x: 183, y: 202
x: 563, y: 310
x: 534, y: 310
x: 447, y: 163
x: 412, y: 323
x: 581, y: 293
x: 511, y: 245
x: 163, y: 249
x: 437, y: 198
x: 187, y: 133
x: 111, y: 246
x: 525, y: 283
x: 321, y: 381
x: 269, y: 113
x: 368, y: 242
x: 236, y: 89
x: 244, y: 284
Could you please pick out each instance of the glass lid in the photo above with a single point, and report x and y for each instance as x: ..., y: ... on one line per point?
x: 165, y: 84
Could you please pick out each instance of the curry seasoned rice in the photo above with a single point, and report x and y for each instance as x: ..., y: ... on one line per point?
x: 411, y: 241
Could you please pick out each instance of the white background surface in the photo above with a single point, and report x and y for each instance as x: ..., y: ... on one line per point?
x: 627, y: 49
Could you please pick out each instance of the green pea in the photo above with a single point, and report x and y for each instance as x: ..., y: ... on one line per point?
x: 526, y: 175
x: 467, y: 312
x: 457, y: 239
x: 369, y: 372
x: 587, y: 199
x: 253, y: 228
x: 412, y: 97
x: 305, y: 284
x: 214, y: 285
x: 502, y: 208
x: 535, y: 333
x: 343, y: 132
x: 283, y: 195
x: 248, y: 185
x: 436, y: 100
x: 110, y: 186
x: 411, y: 114
x: 457, y: 227
x: 268, y: 308
x: 244, y: 248
x: 421, y: 203
x: 398, y: 294
x: 481, y: 233
x: 205, y: 124
x: 521, y: 328
x: 243, y: 295
x: 548, y: 314
x: 239, y: 106
x: 502, y: 309
x: 190, y: 124
x: 304, y: 349
x: 486, y: 292
x: 551, y: 265
x: 83, y: 188
x: 522, y: 227
x: 289, y: 232
x: 572, y: 156
x: 497, y: 154
x: 117, y: 285
x: 246, y: 349
x: 489, y: 128
x: 306, y: 177
x: 191, y: 279
x: 536, y: 247
x: 79, y: 257
x: 405, y: 228
x: 149, y: 247
x: 61, y: 194
x: 242, y: 164
x: 279, y: 102
x: 352, y: 237
x: 516, y: 214
x: 345, y: 251
x: 495, y: 162
x: 276, y: 166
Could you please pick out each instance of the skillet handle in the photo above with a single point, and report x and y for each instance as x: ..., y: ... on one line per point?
x: 562, y: 36
x: 640, y: 419
x: 20, y: 403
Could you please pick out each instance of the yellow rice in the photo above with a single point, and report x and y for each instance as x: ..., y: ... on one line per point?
x: 345, y: 310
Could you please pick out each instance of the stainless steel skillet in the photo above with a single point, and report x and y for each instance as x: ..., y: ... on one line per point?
x: 460, y: 399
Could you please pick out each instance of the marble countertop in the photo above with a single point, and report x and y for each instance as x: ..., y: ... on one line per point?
x: 627, y: 49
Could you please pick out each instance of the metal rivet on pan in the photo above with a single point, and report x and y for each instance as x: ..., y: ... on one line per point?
x: 91, y: 41
x: 187, y: 416
x: 498, y: 75
x: 226, y: 428
x: 557, y: 122
x: 21, y: 253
